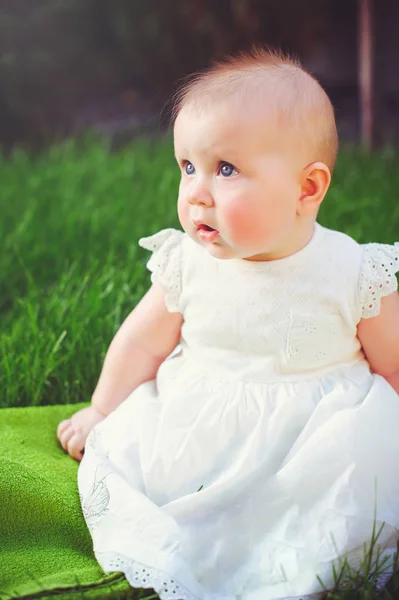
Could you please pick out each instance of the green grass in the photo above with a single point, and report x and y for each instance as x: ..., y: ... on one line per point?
x: 70, y: 267
x: 71, y: 270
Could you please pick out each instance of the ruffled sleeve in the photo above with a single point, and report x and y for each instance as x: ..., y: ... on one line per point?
x: 165, y: 264
x: 379, y: 264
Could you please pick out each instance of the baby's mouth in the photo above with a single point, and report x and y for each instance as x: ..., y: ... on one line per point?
x: 203, y: 227
x: 206, y: 233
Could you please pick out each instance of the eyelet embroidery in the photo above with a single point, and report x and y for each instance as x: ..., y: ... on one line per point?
x: 165, y: 264
x: 377, y: 278
x: 142, y: 576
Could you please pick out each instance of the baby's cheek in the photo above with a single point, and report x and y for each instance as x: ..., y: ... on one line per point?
x: 242, y: 222
x: 182, y: 210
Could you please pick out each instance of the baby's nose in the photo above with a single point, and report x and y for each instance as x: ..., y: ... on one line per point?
x: 200, y: 194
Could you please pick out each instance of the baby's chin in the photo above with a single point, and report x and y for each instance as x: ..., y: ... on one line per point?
x: 217, y: 249
x: 220, y: 252
x: 225, y: 252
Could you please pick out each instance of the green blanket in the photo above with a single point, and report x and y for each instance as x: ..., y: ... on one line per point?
x: 45, y: 547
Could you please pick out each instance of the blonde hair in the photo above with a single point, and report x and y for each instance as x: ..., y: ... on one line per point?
x: 278, y: 80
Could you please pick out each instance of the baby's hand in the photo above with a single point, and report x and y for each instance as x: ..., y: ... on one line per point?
x: 73, y: 432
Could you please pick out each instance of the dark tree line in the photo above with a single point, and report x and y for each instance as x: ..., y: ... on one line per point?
x: 57, y: 56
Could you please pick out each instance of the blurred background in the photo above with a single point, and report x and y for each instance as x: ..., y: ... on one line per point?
x: 73, y: 204
x: 110, y: 65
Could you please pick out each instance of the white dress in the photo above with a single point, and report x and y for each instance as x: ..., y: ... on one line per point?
x: 264, y: 449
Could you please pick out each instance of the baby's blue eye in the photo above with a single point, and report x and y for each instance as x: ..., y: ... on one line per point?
x: 226, y: 170
x: 189, y: 168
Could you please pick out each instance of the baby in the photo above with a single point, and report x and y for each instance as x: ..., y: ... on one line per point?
x: 257, y: 456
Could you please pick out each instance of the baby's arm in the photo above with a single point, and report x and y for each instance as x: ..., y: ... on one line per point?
x: 379, y: 337
x: 145, y: 339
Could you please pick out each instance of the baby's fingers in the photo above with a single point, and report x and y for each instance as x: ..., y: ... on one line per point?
x: 76, y: 445
x: 65, y: 433
x: 72, y: 440
x: 62, y: 427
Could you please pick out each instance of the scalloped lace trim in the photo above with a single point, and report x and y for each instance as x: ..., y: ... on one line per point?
x: 142, y: 576
x: 165, y: 263
x: 377, y: 279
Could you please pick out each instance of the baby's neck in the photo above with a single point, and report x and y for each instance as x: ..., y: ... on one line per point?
x: 300, y: 236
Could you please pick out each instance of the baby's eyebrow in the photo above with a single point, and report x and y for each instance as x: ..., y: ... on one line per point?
x: 181, y: 151
x: 210, y: 153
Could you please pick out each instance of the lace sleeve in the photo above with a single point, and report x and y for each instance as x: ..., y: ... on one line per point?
x: 165, y: 263
x: 380, y: 262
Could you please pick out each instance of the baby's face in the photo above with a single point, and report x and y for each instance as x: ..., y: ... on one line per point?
x: 239, y: 188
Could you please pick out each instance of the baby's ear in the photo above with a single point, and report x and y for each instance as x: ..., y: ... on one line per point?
x: 315, y: 181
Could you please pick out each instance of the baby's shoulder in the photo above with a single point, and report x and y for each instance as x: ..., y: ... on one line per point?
x: 341, y: 254
x: 162, y: 239
x: 371, y: 267
x: 341, y: 242
x: 348, y: 249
